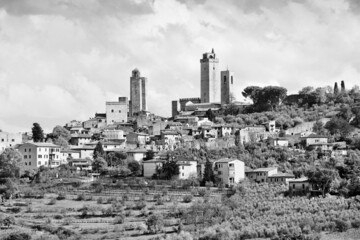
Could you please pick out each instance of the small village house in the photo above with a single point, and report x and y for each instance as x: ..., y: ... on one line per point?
x: 261, y: 174
x: 230, y: 171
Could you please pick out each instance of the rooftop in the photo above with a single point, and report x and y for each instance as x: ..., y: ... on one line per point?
x: 225, y: 160
x: 315, y: 136
x: 287, y: 175
x: 38, y: 144
x: 137, y: 150
x: 262, y: 169
x: 303, y: 179
x: 154, y: 161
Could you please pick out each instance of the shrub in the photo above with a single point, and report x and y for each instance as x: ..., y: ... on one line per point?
x: 187, y: 198
x: 80, y: 197
x: 342, y: 226
x: 202, y: 192
x: 18, y: 236
x: 52, y: 201
x: 355, y: 223
x: 99, y: 188
x: 58, y: 217
x: 99, y: 200
x: 61, y: 196
x: 139, y: 205
x: 119, y: 219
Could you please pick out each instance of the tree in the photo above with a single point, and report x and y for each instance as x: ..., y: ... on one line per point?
x: 169, y: 169
x: 265, y: 98
x: 318, y: 127
x: 99, y: 151
x: 252, y: 92
x: 155, y: 223
x: 18, y: 236
x: 99, y: 165
x: 60, y: 131
x: 11, y: 162
x: 37, y: 133
x: 336, y: 89
x: 208, y: 173
x: 210, y: 115
x: 134, y: 167
x: 60, y: 141
x: 339, y: 126
x: 120, y: 171
x: 306, y: 90
x: 7, y: 221
x: 322, y: 178
x: 343, y: 90
x: 114, y: 159
x: 149, y: 155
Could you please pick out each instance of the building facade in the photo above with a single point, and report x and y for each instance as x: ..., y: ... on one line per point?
x: 138, y: 86
x: 117, y: 112
x: 227, y: 85
x: 40, y: 154
x: 9, y: 140
x: 230, y: 171
x: 209, y: 84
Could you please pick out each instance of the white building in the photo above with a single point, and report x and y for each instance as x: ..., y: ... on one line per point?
x: 117, y: 112
x: 9, y: 140
x: 187, y: 168
x: 137, y: 154
x: 40, y: 154
x: 114, y: 134
x: 230, y: 171
x: 261, y: 174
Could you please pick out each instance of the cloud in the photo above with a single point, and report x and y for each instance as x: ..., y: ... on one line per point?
x: 61, y: 60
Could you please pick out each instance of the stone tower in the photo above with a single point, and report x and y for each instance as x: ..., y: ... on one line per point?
x: 138, y: 87
x: 174, y: 108
x: 227, y: 85
x: 209, y: 85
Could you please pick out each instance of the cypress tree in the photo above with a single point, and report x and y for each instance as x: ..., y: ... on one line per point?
x: 98, y: 151
x: 342, y: 86
x: 208, y: 173
x: 37, y: 132
x: 336, y: 89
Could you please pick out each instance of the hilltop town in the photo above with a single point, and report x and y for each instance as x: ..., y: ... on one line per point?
x: 202, y: 173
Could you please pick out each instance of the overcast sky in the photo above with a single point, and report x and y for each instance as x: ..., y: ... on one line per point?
x: 62, y: 59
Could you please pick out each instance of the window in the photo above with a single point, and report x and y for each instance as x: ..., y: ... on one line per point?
x: 224, y: 79
x: 183, y: 174
x: 29, y: 149
x: 39, y: 162
x: 29, y: 156
x: 2, y: 140
x: 294, y: 185
x: 25, y: 163
x: 39, y: 156
x: 25, y: 156
x: 25, y: 150
x: 112, y: 110
x: 39, y: 149
x: 232, y: 79
x: 119, y: 111
x: 13, y: 140
x: 29, y: 163
x: 182, y: 167
x: 303, y: 186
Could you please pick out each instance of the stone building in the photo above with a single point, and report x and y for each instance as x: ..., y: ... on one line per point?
x: 117, y: 112
x: 138, y: 86
x: 9, y: 140
x: 209, y: 84
x: 184, y: 101
x: 227, y: 87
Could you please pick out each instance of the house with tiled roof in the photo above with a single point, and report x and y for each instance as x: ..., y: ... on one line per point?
x: 280, y: 178
x: 40, y: 154
x: 230, y: 171
x: 260, y: 174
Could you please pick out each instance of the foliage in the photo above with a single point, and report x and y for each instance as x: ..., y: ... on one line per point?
x: 134, y: 167
x: 208, y: 173
x: 155, y: 223
x: 99, y: 165
x: 37, y: 132
x: 168, y: 170
x: 339, y: 126
x: 265, y: 98
x: 116, y: 159
x: 11, y: 162
x: 99, y: 151
x: 322, y: 178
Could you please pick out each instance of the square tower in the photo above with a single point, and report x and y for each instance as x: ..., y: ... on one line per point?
x: 209, y: 89
x: 227, y: 85
x: 117, y: 112
x: 138, y: 86
x: 174, y: 108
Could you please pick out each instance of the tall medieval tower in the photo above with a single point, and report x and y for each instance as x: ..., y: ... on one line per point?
x: 227, y: 84
x: 138, y: 87
x: 209, y: 86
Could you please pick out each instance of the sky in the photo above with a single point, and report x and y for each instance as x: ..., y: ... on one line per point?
x: 61, y: 60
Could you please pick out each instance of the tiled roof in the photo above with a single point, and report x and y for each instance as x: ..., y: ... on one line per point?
x: 262, y: 169
x: 38, y: 144
x: 303, y: 179
x: 288, y: 175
